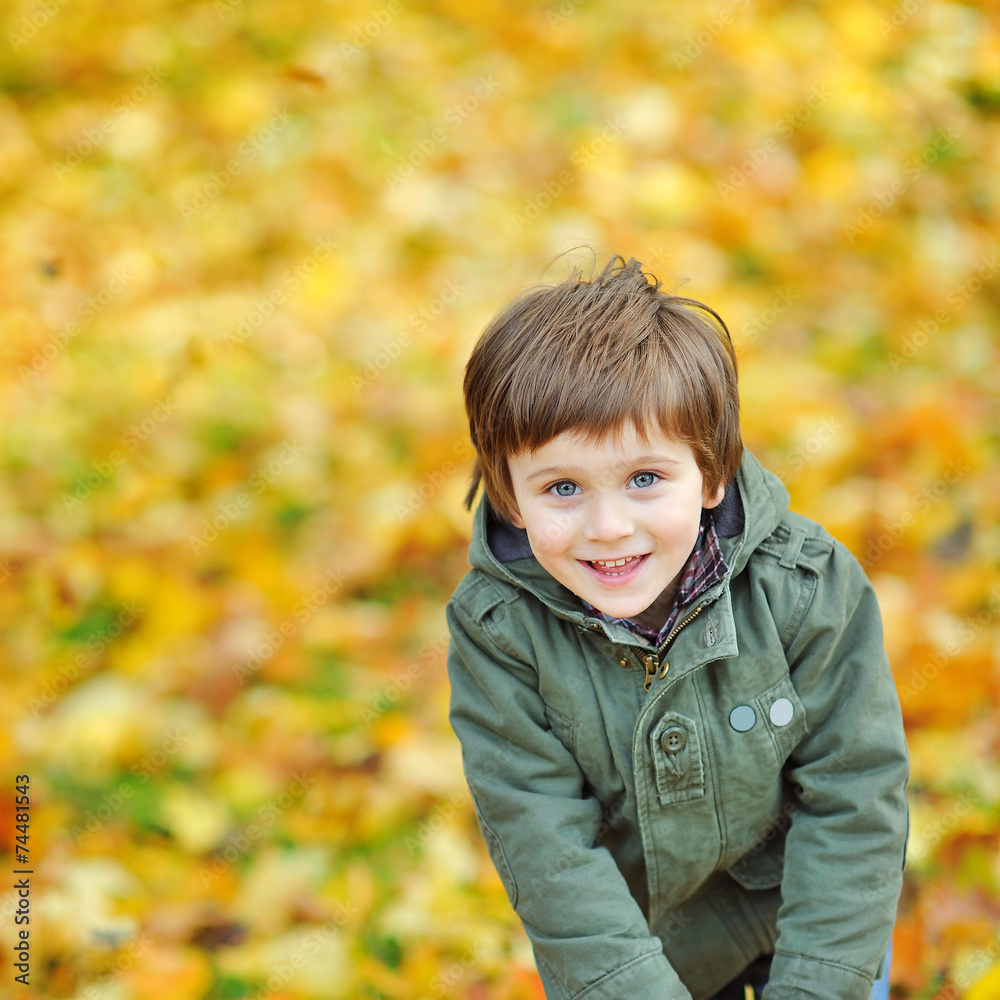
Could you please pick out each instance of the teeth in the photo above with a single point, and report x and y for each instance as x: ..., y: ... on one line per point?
x: 606, y: 564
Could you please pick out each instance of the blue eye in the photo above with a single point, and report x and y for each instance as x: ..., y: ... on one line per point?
x: 565, y: 488
x: 644, y: 479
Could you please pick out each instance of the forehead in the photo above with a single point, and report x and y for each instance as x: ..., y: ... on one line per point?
x: 615, y: 450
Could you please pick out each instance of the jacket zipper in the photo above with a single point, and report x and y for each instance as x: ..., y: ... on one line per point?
x: 652, y: 661
x: 691, y: 617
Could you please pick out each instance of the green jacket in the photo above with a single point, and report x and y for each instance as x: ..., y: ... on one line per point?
x: 654, y: 842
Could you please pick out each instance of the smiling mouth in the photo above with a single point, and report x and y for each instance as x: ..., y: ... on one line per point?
x: 615, y: 567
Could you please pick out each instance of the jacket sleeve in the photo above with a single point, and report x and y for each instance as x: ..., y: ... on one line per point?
x: 589, y: 935
x: 846, y: 847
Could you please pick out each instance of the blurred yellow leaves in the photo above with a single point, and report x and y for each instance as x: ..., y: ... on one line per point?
x: 162, y: 972
x: 247, y: 246
x: 195, y: 820
x: 987, y: 986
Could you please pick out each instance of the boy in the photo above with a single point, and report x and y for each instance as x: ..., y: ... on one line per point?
x: 677, y: 719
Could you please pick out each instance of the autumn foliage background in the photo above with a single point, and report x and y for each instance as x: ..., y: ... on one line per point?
x: 246, y: 247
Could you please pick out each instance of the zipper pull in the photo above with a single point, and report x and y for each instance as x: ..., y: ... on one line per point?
x: 651, y: 664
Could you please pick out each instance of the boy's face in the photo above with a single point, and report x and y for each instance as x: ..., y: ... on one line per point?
x: 588, y: 506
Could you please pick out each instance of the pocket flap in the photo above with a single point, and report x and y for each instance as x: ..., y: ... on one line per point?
x: 676, y: 753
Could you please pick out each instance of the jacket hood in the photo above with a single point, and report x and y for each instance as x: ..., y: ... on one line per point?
x: 753, y: 504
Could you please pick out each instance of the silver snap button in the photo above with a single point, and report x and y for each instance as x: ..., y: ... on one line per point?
x: 781, y: 712
x: 742, y: 718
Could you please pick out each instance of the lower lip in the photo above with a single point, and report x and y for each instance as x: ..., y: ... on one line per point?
x: 621, y: 579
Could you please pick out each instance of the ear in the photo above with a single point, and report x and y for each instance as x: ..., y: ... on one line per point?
x: 515, y: 519
x: 710, y: 501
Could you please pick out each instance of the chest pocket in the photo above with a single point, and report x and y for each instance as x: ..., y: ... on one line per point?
x: 676, y: 754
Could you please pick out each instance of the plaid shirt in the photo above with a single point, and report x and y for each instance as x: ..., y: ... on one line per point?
x: 705, y: 566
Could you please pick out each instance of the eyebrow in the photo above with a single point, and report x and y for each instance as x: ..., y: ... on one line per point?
x: 562, y: 470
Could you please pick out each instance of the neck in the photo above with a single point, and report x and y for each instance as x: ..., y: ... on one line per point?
x: 656, y: 614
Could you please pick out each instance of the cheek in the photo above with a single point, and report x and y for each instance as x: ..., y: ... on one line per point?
x: 679, y: 531
x: 546, y: 542
x: 548, y: 535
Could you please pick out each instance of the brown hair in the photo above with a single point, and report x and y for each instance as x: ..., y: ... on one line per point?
x: 591, y: 356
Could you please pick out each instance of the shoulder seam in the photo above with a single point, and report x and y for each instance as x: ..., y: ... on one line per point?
x: 478, y: 594
x: 798, y: 541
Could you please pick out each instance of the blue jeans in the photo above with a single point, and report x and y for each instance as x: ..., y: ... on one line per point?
x: 756, y: 974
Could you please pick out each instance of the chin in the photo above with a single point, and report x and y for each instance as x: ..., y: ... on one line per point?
x: 620, y: 611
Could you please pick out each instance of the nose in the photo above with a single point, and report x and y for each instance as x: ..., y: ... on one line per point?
x: 608, y: 520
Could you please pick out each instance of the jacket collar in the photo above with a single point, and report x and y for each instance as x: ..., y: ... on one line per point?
x: 753, y: 504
